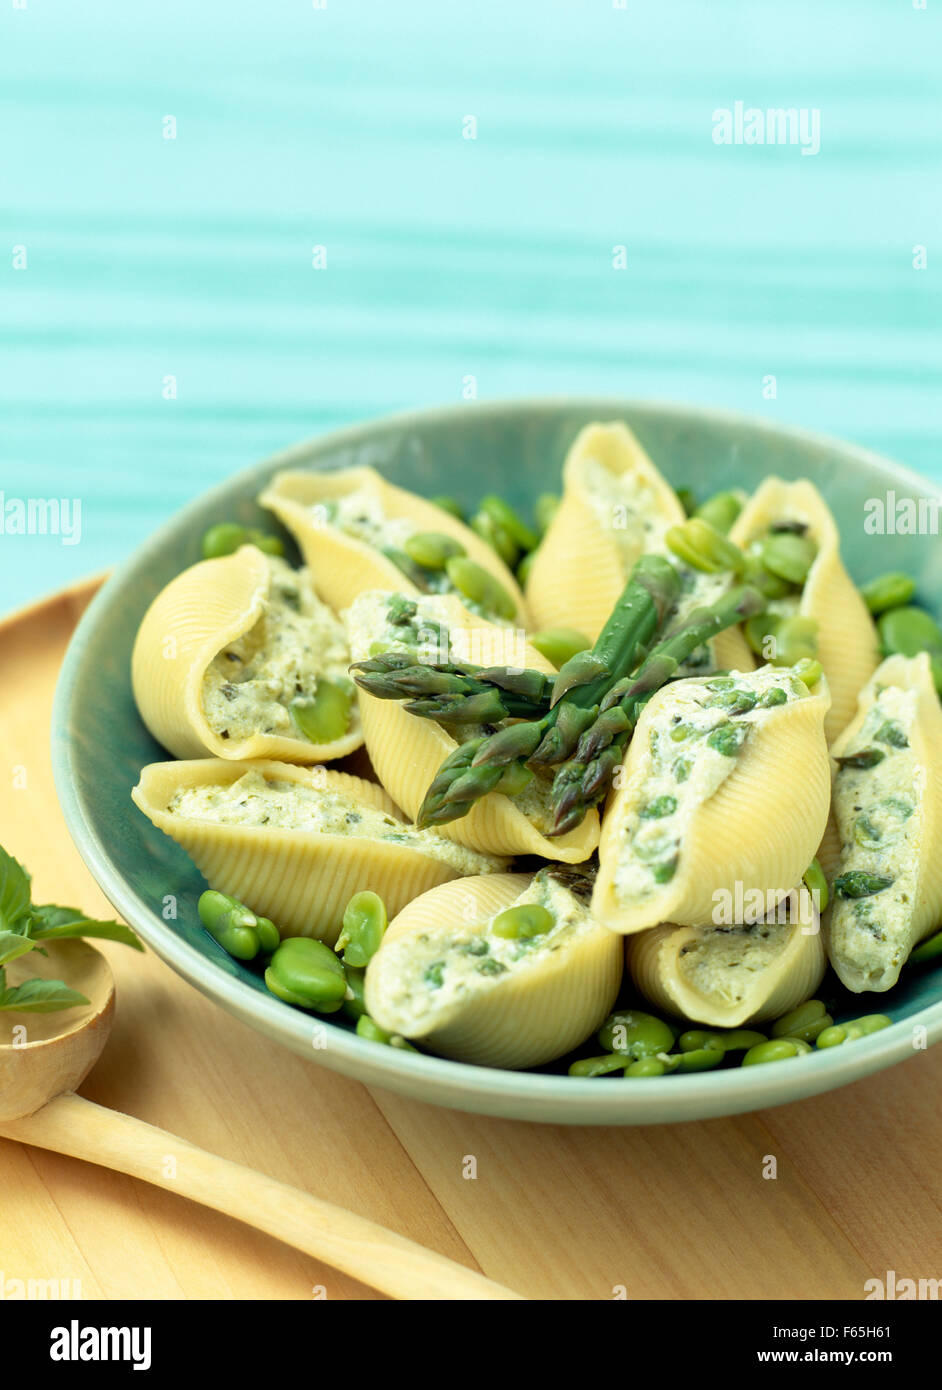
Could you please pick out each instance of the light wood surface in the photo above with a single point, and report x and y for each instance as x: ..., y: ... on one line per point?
x: 680, y: 1211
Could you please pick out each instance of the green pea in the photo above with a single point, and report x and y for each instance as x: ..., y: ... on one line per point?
x: 265, y: 541
x: 223, y: 539
x: 324, y: 716
x: 776, y: 1050
x: 759, y: 632
x: 700, y: 1059
x: 856, y: 1028
x: 892, y: 590
x: 230, y: 923
x: 795, y: 638
x: 858, y: 884
x: 450, y: 505
x: 632, y: 1033
x: 805, y: 1022
x: 598, y: 1066
x: 788, y: 557
x: 502, y: 514
x: 665, y: 871
x: 660, y: 807
x: 353, y: 1005
x: 699, y: 545
x: 306, y: 972
x: 364, y: 922
x: 477, y: 584
x: 909, y: 631
x: 687, y: 500
x: 648, y: 1066
x: 558, y: 644
x: 727, y: 739
x: 720, y: 510
x: 928, y: 950
x: 544, y: 509
x: 816, y: 883
x: 431, y: 549
x: 680, y: 732
x: 526, y: 920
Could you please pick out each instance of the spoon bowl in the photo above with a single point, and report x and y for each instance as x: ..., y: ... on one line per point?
x: 43, y: 1055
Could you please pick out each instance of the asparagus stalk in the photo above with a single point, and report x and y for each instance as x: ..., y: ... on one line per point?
x: 587, y: 775
x: 580, y: 685
x: 456, y: 694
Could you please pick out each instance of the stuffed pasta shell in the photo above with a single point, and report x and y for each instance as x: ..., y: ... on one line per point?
x: 616, y: 506
x: 238, y: 657
x: 505, y: 971
x: 296, y: 843
x: 407, y: 751
x: 726, y: 783
x: 887, y: 893
x: 357, y: 531
x: 837, y: 625
x: 726, y: 975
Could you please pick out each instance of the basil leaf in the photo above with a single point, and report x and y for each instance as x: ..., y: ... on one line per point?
x: 52, y: 923
x: 41, y: 997
x: 12, y: 945
x: 14, y: 891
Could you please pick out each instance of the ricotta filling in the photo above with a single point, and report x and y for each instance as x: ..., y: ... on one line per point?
x: 426, y: 974
x: 693, y: 743
x: 875, y: 808
x: 360, y: 514
x: 249, y: 686
x: 722, y: 963
x: 256, y: 800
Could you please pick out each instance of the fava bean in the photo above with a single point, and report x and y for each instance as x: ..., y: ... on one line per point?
x: 306, y: 972
x: 816, y: 883
x: 700, y: 545
x: 353, y: 1005
x: 503, y: 515
x: 805, y: 1022
x: 558, y: 644
x: 795, y: 638
x: 855, y: 1028
x: 230, y: 923
x: 450, y: 505
x: 649, y: 1066
x: 809, y: 671
x: 477, y: 584
x: 324, y: 716
x: 776, y: 1050
x: 929, y: 949
x: 544, y: 509
x: 700, y: 1059
x: 227, y: 536
x: 496, y: 537
x: 364, y: 922
x: 525, y: 920
x: 598, y: 1066
x: 909, y: 631
x: 431, y: 549
x: 687, y: 500
x: 788, y: 557
x: 720, y: 510
x: 892, y: 590
x: 632, y: 1033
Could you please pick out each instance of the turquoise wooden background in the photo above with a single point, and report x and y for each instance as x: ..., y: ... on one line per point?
x: 446, y: 257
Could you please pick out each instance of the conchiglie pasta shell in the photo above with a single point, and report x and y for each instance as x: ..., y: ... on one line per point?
x: 912, y: 673
x: 524, y: 1018
x: 847, y: 639
x: 344, y: 566
x: 301, y: 879
x: 406, y: 752
x: 791, y: 977
x: 579, y: 569
x: 201, y: 611
x: 760, y: 829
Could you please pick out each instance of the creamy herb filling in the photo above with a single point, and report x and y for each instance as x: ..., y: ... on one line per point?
x: 878, y: 789
x: 255, y: 800
x: 700, y: 728
x: 721, y: 963
x: 296, y: 642
x: 426, y: 973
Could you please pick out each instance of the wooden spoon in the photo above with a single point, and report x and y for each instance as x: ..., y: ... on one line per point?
x: 44, y: 1057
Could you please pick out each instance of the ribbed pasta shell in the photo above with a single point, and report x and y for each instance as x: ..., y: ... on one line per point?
x: 524, y: 1018
x: 760, y: 829
x: 847, y: 638
x: 301, y: 879
x: 579, y: 570
x: 190, y: 621
x: 925, y: 740
x: 793, y: 975
x: 344, y: 566
x: 406, y: 752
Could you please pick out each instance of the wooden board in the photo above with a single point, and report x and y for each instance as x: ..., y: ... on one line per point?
x: 682, y: 1211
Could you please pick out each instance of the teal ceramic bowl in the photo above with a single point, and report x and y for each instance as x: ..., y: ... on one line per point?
x: 516, y: 448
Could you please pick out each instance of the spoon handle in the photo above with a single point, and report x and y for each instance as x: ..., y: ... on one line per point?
x: 378, y: 1257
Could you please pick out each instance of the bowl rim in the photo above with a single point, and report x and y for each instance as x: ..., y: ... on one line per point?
x: 530, y: 1095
